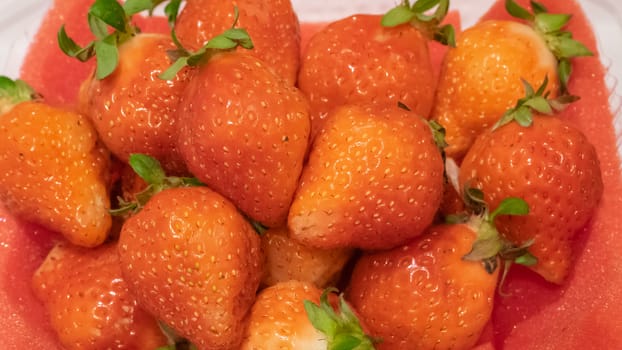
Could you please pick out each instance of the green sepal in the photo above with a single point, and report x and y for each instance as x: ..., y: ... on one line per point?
x: 534, y: 100
x: 517, y: 11
x: 172, y: 11
x: 150, y: 170
x: 111, y: 13
x: 417, y: 15
x: 103, y: 15
x: 510, y: 206
x: 550, y: 27
x: 342, y: 329
x: 107, y: 56
x: 13, y: 92
x: 398, y: 15
x: 229, y: 40
x: 132, y: 7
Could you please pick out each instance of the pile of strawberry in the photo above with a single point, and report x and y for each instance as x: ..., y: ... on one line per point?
x: 210, y: 184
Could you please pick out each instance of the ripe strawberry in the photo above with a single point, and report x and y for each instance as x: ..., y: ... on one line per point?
x: 374, y: 179
x: 555, y: 169
x: 244, y: 133
x: 288, y: 260
x: 287, y: 315
x: 193, y: 261
x: 272, y: 25
x: 52, y: 170
x: 89, y: 304
x: 359, y: 60
x: 481, y: 77
x: 425, y: 294
x: 131, y: 108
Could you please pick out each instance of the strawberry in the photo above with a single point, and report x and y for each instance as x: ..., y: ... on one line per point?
x: 297, y: 315
x: 555, y: 169
x: 481, y: 77
x: 288, y: 260
x: 365, y: 59
x: 425, y: 294
x: 272, y: 25
x: 88, y: 301
x: 131, y: 108
x: 53, y: 172
x: 193, y: 260
x: 244, y: 133
x: 374, y: 179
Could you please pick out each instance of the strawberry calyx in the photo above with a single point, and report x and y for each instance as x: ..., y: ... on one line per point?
x: 489, y: 245
x: 110, y: 22
x: 418, y: 15
x: 550, y: 27
x: 534, y: 100
x: 13, y: 92
x: 151, y: 171
x: 342, y: 329
x: 229, y: 40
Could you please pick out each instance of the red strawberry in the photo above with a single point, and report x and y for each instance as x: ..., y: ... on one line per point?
x: 244, y: 133
x: 291, y: 315
x: 193, y: 261
x: 132, y: 109
x: 52, y: 170
x: 272, y: 25
x: 374, y: 179
x: 89, y: 303
x: 481, y: 77
x: 555, y: 169
x: 288, y: 260
x: 359, y: 60
x: 425, y: 294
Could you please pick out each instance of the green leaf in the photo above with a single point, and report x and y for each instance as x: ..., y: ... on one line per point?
x: 132, y: 7
x: 425, y: 5
x: 318, y: 318
x: 396, y: 16
x: 111, y: 12
x: 538, y: 7
x: 98, y: 27
x: 510, y: 206
x: 567, y: 47
x: 13, y: 92
x: 564, y: 69
x: 148, y: 168
x: 539, y: 104
x: 441, y: 10
x: 172, y: 11
x: 517, y: 11
x: 172, y: 71
x: 345, y: 342
x: 446, y: 35
x: 526, y: 259
x: 107, y: 56
x: 550, y: 22
x: 71, y: 49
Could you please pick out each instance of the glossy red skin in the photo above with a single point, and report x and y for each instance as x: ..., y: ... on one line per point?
x: 356, y: 60
x: 244, y: 132
x: 590, y: 297
x: 133, y: 109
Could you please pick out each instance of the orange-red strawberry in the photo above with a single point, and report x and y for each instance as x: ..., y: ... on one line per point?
x: 89, y: 304
x: 425, y: 294
x: 286, y: 314
x: 244, y: 133
x: 555, y: 169
x: 193, y: 261
x: 272, y: 25
x: 374, y: 179
x: 286, y: 260
x: 53, y: 172
x: 481, y: 77
x: 357, y: 60
x: 131, y: 108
